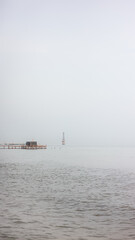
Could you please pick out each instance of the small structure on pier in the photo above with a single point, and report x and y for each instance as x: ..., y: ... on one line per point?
x: 31, y: 144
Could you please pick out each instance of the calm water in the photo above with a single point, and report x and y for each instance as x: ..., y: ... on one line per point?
x: 67, y: 193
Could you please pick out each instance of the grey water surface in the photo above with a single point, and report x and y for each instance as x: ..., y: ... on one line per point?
x: 67, y: 193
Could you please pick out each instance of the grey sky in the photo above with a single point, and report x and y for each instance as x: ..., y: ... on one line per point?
x: 67, y: 66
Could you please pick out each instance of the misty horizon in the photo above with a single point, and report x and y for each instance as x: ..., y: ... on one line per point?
x: 67, y: 66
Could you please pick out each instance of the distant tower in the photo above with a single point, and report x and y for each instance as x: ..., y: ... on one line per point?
x: 63, y: 139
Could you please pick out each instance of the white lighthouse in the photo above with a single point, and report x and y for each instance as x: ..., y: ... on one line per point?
x: 63, y: 139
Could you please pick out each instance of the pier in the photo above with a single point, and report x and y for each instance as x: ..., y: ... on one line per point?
x: 29, y: 145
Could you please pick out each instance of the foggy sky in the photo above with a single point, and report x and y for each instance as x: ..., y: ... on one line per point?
x: 67, y: 65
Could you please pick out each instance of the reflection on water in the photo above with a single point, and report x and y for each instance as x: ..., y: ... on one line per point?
x: 62, y: 194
